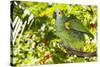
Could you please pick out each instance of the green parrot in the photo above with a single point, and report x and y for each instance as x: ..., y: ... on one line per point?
x: 70, y: 31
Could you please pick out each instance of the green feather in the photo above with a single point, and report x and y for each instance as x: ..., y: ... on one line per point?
x: 78, y: 26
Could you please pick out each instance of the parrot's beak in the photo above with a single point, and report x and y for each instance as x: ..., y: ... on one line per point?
x: 54, y: 14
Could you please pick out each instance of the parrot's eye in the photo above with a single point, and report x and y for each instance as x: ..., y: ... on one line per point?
x: 59, y: 13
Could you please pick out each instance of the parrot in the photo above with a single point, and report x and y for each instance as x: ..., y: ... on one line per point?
x: 70, y: 31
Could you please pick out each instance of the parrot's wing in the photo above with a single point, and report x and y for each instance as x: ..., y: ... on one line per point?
x: 78, y: 26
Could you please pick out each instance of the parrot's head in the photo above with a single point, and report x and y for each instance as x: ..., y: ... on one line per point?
x: 58, y: 13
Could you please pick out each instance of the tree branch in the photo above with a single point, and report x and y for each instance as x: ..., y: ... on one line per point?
x: 78, y: 53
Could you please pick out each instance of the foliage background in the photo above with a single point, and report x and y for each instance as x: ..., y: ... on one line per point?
x: 38, y: 44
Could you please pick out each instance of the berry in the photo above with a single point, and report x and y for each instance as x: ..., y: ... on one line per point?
x: 47, y: 55
x: 92, y: 25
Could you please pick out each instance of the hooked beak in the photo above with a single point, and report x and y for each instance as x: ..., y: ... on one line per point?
x: 55, y: 14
